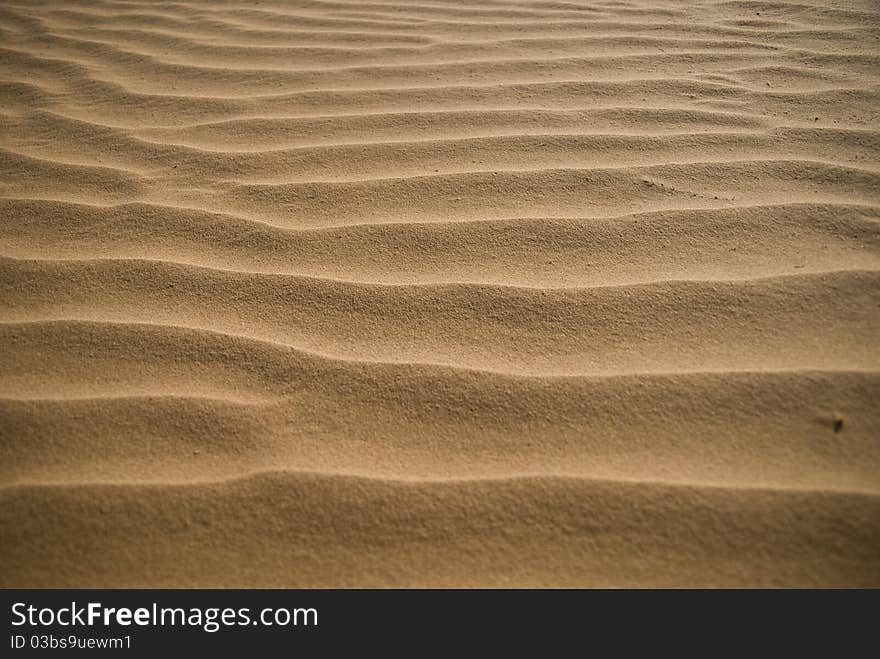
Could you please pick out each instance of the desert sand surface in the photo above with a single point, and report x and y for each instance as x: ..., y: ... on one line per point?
x: 350, y: 293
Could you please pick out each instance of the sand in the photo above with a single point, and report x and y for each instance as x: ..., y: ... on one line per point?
x: 345, y: 293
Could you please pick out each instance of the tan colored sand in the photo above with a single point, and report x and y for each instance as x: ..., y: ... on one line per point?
x: 440, y: 293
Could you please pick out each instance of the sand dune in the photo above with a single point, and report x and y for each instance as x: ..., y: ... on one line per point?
x: 445, y: 293
x: 541, y: 531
